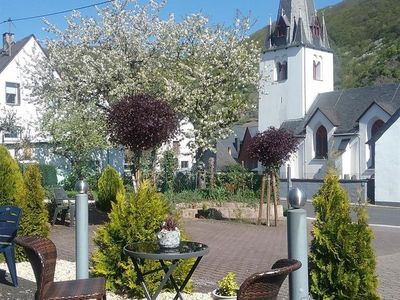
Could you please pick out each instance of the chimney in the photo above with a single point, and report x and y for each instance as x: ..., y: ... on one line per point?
x: 8, y: 41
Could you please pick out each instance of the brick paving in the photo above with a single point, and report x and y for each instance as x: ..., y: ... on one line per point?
x: 239, y: 247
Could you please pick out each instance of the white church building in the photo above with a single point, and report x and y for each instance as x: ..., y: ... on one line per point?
x: 345, y: 127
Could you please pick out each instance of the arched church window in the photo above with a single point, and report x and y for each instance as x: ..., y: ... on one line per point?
x: 317, y: 69
x: 321, y: 143
x: 281, y: 71
x: 374, y: 130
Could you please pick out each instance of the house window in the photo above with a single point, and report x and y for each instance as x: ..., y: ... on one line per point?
x: 184, y: 164
x: 12, y: 93
x: 281, y: 71
x: 317, y: 74
x: 374, y: 130
x: 321, y: 143
x: 11, y: 134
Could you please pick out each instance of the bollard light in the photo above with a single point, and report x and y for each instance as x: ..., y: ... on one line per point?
x: 81, y: 230
x: 297, y: 198
x: 81, y: 187
x: 297, y: 244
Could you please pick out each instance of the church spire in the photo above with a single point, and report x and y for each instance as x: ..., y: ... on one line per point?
x: 298, y: 24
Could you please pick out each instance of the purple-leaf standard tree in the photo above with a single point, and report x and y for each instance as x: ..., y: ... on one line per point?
x: 141, y: 122
x: 272, y: 148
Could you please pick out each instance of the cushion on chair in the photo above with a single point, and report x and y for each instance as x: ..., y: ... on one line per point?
x: 76, y: 289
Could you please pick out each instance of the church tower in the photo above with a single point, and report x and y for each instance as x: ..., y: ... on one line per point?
x: 297, y: 64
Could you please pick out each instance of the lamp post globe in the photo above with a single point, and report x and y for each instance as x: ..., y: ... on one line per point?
x: 81, y: 187
x: 297, y: 198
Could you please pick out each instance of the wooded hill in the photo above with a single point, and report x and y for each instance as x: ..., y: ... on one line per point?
x: 365, y: 38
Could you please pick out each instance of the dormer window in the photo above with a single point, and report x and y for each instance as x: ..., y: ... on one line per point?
x: 316, y: 28
x: 321, y: 143
x: 281, y: 71
x: 12, y: 93
x: 281, y: 27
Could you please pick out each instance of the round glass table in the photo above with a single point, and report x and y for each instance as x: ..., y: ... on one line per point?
x: 140, y: 251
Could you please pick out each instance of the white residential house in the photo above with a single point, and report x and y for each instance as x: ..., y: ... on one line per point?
x: 15, y: 97
x: 181, y: 146
x: 297, y: 72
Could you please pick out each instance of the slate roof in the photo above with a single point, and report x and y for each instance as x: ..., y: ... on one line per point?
x: 344, y: 108
x: 299, y: 16
x: 15, y: 49
x: 223, y: 158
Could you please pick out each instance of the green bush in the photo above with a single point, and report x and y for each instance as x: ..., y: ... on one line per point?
x: 168, y: 165
x: 69, y: 182
x: 37, y: 212
x: 184, y: 182
x: 12, y: 188
x: 49, y: 175
x: 109, y: 185
x: 13, y: 192
x: 136, y: 218
x: 342, y: 261
x: 228, y: 286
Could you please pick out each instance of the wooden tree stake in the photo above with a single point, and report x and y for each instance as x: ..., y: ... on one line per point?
x: 260, y: 209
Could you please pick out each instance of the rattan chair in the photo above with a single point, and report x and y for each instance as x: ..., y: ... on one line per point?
x: 42, y: 255
x: 266, y: 285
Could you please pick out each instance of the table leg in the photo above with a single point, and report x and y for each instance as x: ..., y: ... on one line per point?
x: 187, y: 278
x: 140, y: 279
x: 171, y: 277
x: 168, y: 274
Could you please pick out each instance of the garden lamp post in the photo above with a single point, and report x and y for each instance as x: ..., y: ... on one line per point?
x: 297, y: 244
x: 81, y: 231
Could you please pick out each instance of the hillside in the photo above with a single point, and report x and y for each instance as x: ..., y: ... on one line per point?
x: 365, y: 37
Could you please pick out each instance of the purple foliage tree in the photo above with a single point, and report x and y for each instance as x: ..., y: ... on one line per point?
x: 272, y: 148
x: 141, y: 122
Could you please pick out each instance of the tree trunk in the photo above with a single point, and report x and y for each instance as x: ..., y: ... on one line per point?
x: 268, y: 199
x: 260, y: 209
x: 274, y: 197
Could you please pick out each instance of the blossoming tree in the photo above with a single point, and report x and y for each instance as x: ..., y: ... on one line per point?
x: 205, y: 72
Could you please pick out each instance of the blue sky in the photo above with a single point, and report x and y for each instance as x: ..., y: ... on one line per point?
x: 218, y: 11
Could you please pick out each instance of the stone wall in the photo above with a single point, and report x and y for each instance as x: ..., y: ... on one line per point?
x: 229, y: 210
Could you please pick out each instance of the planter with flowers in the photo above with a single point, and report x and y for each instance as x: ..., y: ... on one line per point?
x: 227, y: 287
x: 169, y: 235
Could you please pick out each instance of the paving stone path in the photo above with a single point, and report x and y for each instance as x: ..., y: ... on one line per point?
x: 242, y: 248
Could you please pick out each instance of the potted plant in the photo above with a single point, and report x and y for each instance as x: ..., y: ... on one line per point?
x: 227, y: 287
x: 169, y: 235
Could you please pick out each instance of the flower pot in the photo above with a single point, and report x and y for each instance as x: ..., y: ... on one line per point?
x: 169, y: 238
x: 216, y: 296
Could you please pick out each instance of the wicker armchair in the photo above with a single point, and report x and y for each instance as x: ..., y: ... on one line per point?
x: 42, y: 255
x: 266, y: 285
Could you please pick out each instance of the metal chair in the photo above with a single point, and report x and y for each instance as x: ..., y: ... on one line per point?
x: 9, y: 223
x: 42, y: 255
x: 63, y: 205
x: 266, y: 285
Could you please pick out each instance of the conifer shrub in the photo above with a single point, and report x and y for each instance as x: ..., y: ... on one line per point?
x: 109, y: 185
x: 342, y: 260
x: 13, y: 192
x: 35, y: 194
x: 136, y: 218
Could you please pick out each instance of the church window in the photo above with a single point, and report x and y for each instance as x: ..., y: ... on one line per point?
x: 317, y: 69
x: 374, y: 130
x: 321, y: 143
x: 281, y: 70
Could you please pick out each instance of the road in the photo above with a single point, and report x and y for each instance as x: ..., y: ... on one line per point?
x: 378, y: 215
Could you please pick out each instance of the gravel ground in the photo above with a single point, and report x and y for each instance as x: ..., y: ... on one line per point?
x: 65, y: 270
